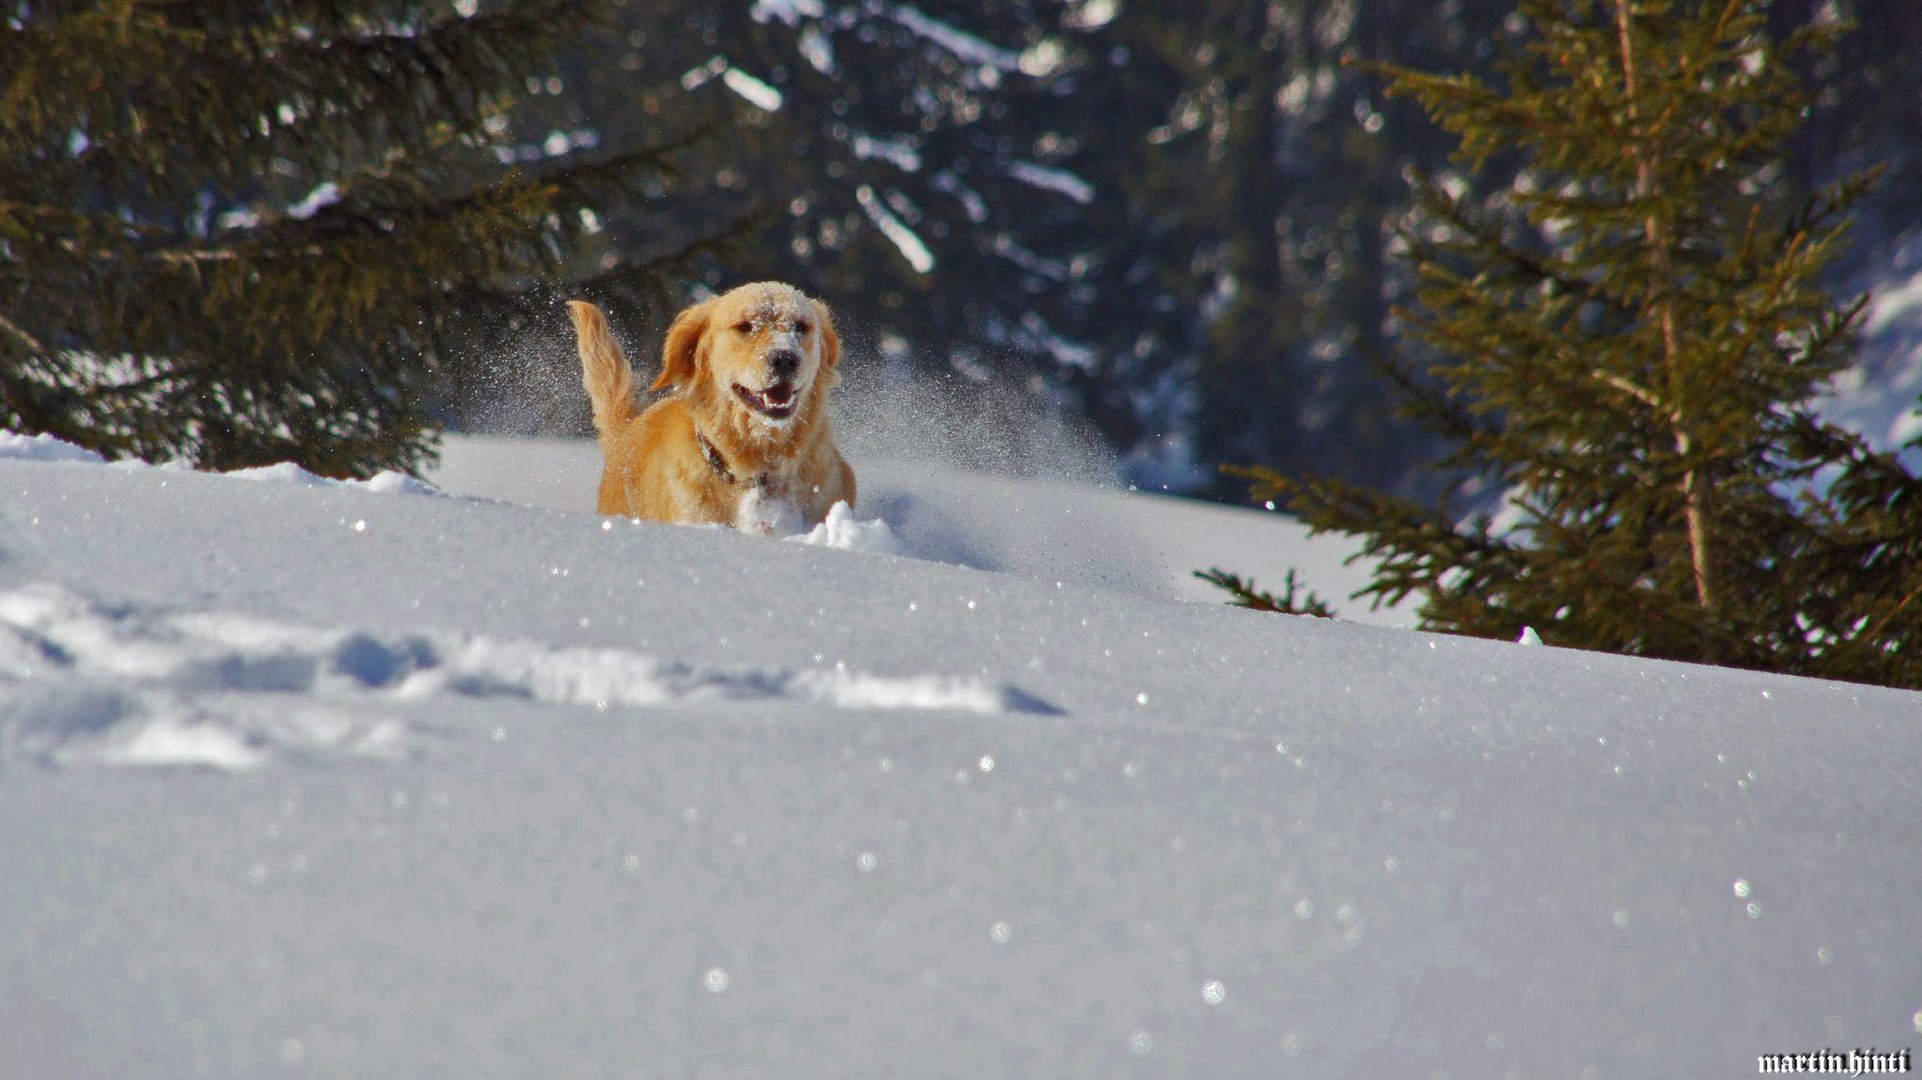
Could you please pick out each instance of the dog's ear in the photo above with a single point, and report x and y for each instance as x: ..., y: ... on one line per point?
x: 680, y: 355
x: 830, y: 338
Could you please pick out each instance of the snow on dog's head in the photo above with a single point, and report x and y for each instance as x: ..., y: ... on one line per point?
x: 762, y: 351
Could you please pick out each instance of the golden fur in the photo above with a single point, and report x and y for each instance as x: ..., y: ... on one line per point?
x: 749, y: 373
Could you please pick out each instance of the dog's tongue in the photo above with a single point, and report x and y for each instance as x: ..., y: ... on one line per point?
x: 779, y: 394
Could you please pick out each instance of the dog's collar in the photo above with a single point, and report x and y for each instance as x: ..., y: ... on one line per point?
x: 715, y: 461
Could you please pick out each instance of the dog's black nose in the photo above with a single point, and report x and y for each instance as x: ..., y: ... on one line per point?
x: 784, y: 363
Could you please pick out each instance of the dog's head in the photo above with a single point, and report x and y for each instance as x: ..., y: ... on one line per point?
x: 764, y: 348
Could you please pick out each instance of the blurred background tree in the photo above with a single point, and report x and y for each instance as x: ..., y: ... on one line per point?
x: 1165, y: 219
x: 1273, y: 179
x: 914, y: 164
x: 242, y: 233
x: 1169, y: 220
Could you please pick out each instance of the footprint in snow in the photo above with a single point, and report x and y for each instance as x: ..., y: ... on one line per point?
x: 87, y: 683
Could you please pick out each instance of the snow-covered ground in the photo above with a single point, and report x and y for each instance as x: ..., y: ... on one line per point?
x: 1077, y: 533
x: 311, y: 779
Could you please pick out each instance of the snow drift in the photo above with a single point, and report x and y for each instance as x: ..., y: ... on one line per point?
x: 312, y: 779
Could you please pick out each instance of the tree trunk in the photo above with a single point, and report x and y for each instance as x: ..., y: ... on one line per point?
x: 1695, y: 480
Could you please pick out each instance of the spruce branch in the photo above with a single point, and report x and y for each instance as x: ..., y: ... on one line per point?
x: 1244, y: 593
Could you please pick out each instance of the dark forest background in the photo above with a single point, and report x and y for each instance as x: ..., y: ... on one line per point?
x: 322, y: 230
x: 1175, y: 219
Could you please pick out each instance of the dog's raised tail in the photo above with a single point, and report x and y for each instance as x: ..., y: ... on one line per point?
x: 605, y: 372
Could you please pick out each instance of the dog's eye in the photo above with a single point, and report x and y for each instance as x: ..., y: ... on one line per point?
x: 802, y: 326
x: 744, y: 327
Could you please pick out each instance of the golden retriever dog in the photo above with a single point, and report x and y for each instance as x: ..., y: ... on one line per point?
x: 743, y: 439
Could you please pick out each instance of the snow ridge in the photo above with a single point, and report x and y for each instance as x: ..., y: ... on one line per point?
x: 86, y: 683
x: 18, y: 447
x: 385, y: 483
x: 15, y: 446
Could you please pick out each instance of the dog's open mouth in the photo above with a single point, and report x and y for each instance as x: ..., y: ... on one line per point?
x: 777, y: 402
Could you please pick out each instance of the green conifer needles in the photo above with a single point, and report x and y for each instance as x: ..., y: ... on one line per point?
x: 240, y: 233
x: 1627, y: 339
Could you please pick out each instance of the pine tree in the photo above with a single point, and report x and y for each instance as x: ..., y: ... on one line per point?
x: 1628, y: 341
x: 239, y: 233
